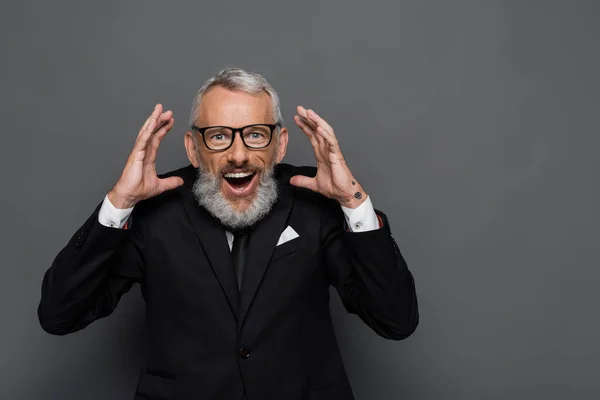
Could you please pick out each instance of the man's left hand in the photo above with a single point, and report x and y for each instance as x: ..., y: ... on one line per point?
x: 333, y: 179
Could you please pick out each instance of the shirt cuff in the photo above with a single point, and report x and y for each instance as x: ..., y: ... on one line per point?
x: 111, y: 216
x: 362, y: 218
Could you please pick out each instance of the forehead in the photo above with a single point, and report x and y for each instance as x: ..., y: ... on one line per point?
x: 222, y: 106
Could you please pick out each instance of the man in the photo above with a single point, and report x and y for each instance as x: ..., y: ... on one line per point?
x: 235, y: 255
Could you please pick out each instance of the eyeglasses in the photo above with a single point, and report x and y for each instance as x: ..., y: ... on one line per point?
x: 220, y: 138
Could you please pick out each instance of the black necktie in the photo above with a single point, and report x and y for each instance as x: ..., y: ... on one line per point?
x: 240, y: 245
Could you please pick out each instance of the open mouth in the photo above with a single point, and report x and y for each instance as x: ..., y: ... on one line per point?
x: 239, y: 181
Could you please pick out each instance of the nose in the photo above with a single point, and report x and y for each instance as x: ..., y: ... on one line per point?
x: 237, y: 154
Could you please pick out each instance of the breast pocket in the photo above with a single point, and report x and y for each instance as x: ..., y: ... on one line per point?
x: 288, y: 248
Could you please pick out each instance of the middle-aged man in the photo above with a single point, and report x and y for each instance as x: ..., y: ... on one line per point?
x: 235, y: 255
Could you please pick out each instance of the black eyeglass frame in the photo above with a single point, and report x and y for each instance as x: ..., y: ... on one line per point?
x: 235, y: 130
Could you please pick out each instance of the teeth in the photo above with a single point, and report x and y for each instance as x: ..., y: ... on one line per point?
x: 237, y: 174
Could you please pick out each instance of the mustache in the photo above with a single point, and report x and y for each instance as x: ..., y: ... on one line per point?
x: 246, y: 168
x: 230, y: 168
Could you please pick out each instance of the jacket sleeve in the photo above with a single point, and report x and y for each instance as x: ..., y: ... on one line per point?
x: 371, y: 276
x: 89, y: 275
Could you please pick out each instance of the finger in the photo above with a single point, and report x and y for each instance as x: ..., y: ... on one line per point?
x: 308, y: 122
x: 304, y: 114
x: 319, y: 143
x: 304, y: 182
x: 163, y: 119
x: 144, y: 127
x: 301, y: 110
x: 322, y: 128
x: 157, y: 137
x: 152, y: 115
x: 155, y: 123
x: 308, y: 131
x: 313, y: 116
x: 142, y: 141
x: 322, y: 142
x: 157, y: 110
x: 312, y: 137
x: 329, y: 138
x: 170, y: 183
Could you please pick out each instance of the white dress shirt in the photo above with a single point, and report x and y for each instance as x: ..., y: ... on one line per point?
x: 359, y: 219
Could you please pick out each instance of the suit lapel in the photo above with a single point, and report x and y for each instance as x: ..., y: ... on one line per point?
x: 213, y: 240
x: 261, y: 246
x: 263, y: 241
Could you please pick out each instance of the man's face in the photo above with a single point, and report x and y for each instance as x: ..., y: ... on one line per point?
x: 238, y: 168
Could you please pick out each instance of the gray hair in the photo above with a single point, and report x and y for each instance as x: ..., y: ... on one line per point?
x: 207, y: 191
x: 239, y: 80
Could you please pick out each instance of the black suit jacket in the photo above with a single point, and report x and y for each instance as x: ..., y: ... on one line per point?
x: 275, y: 339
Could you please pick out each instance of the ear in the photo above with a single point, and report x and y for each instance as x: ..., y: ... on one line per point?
x: 283, y: 142
x: 191, y: 150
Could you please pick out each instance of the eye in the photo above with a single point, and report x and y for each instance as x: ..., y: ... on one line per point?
x: 255, y: 135
x: 217, y: 137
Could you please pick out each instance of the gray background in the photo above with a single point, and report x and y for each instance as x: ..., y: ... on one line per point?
x: 473, y: 124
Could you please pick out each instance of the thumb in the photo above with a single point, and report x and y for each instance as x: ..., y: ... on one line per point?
x: 170, y: 183
x: 304, y: 182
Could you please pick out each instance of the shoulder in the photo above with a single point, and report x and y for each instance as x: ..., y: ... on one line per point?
x: 283, y: 172
x: 187, y: 173
x: 170, y: 197
x: 304, y: 197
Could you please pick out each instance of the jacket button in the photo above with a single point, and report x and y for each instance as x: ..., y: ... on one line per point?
x: 244, y: 353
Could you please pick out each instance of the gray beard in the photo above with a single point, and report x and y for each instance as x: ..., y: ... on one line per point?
x: 207, y: 191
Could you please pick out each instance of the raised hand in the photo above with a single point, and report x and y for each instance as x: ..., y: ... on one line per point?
x: 333, y: 179
x: 138, y: 180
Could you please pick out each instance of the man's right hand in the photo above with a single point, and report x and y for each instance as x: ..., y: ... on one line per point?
x: 139, y: 180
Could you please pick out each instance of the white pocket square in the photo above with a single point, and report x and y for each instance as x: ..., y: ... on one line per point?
x: 288, y: 234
